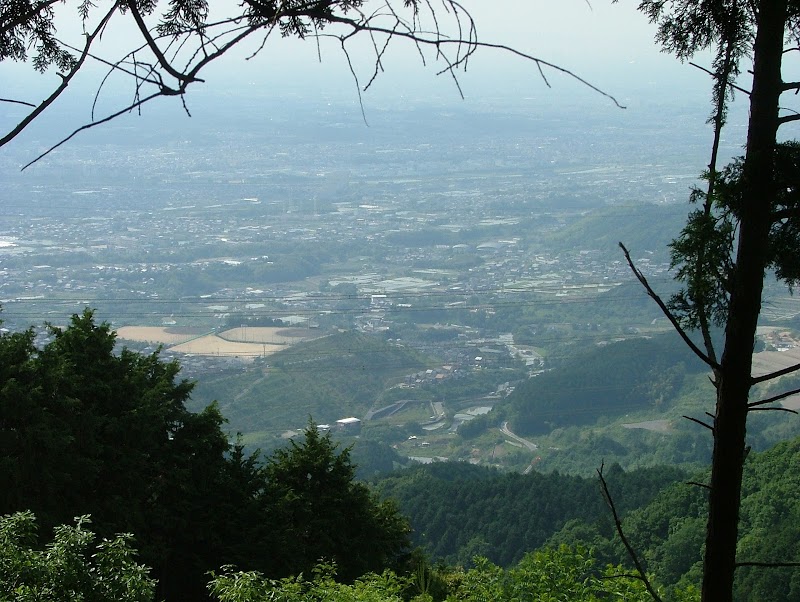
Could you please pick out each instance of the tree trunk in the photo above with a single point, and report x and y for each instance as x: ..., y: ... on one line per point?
x: 745, y: 305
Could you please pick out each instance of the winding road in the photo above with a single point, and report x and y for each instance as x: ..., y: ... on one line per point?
x: 530, y: 445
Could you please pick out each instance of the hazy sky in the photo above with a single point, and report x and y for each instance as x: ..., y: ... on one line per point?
x: 610, y: 45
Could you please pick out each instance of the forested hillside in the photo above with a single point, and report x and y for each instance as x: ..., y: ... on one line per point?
x: 460, y: 511
x: 669, y: 531
x: 647, y: 228
x: 609, y: 380
x: 329, y: 378
x: 87, y: 430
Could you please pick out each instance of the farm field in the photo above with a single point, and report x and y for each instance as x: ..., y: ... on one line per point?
x: 158, y: 334
x: 243, y: 342
x: 277, y: 335
x: 771, y: 361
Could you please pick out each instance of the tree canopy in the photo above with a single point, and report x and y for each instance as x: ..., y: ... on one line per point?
x: 89, y: 429
x: 71, y: 566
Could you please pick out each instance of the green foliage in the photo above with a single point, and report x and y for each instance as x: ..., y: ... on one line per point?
x: 702, y: 255
x: 87, y: 429
x: 618, y: 378
x: 669, y: 532
x: 238, y: 586
x: 323, y: 513
x: 328, y: 378
x: 549, y: 575
x: 372, y: 457
x: 785, y: 230
x: 459, y: 509
x: 70, y: 567
x: 704, y: 251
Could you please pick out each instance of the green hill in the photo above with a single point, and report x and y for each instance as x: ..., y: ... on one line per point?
x: 643, y: 228
x: 329, y: 378
x: 459, y: 510
x: 668, y: 533
x: 604, y: 381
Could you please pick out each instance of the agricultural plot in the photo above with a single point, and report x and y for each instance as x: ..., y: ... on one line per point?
x: 269, y: 335
x: 243, y: 342
x: 157, y: 334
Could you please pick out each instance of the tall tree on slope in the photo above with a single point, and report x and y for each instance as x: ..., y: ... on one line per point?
x: 747, y: 222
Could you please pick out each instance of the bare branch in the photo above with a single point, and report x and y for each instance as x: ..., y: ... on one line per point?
x: 772, y: 375
x: 642, y: 576
x: 355, y: 78
x: 714, y: 75
x: 93, y: 124
x: 774, y: 409
x: 665, y: 310
x: 472, y: 45
x: 773, y: 399
x: 700, y: 422
x: 541, y: 63
x: 151, y: 44
x: 17, y: 102
x: 65, y: 79
x: 230, y: 31
x: 788, y: 119
x: 703, y: 485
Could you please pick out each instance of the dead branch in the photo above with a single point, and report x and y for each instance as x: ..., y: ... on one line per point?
x: 210, y: 41
x: 773, y: 375
x: 665, y: 310
x: 774, y: 409
x: 700, y: 422
x: 17, y: 102
x: 773, y: 399
x: 65, y: 79
x: 731, y: 85
x: 151, y: 44
x: 93, y: 124
x: 697, y: 483
x: 641, y: 575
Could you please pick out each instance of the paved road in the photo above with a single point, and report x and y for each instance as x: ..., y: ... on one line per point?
x: 530, y: 445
